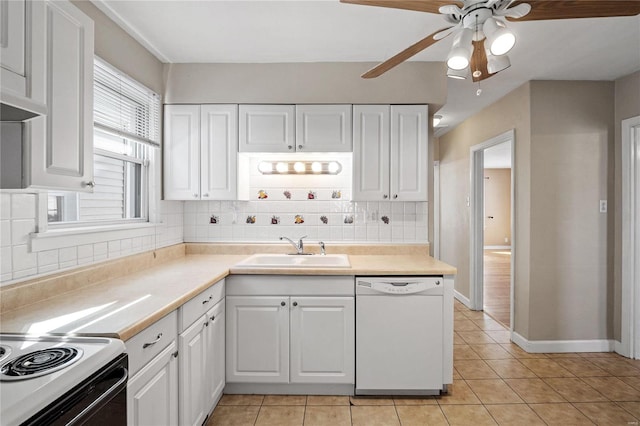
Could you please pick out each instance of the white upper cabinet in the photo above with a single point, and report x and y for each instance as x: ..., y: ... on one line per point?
x: 390, y: 152
x: 409, y: 152
x: 181, y: 156
x: 267, y: 128
x: 60, y: 144
x: 200, y: 152
x: 218, y: 151
x: 323, y: 128
x: 371, y: 152
x: 22, y: 54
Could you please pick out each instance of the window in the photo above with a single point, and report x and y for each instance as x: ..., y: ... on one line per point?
x: 126, y: 134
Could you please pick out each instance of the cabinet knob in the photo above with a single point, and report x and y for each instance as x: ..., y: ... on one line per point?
x: 206, y: 195
x: 395, y: 196
x: 213, y: 318
x: 295, y: 303
x: 299, y: 146
x: 385, y: 196
x: 282, y: 304
x: 437, y: 282
x: 195, y: 195
x: 206, y: 324
x: 290, y: 146
x: 90, y: 184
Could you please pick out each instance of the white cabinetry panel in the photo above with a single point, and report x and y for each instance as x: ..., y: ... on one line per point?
x: 409, y: 152
x: 181, y: 152
x: 215, y: 373
x: 267, y: 128
x: 61, y: 151
x: 218, y: 151
x: 257, y: 339
x: 152, y: 394
x: 323, y: 128
x: 322, y: 340
x: 12, y: 35
x: 371, y: 152
x: 193, y: 358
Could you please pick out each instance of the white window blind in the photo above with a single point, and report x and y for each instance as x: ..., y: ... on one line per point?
x: 124, y: 107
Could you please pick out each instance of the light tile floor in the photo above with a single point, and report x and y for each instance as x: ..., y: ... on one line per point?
x: 495, y: 382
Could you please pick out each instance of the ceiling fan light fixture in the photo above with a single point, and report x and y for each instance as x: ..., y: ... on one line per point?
x: 499, y: 38
x: 496, y: 64
x: 461, y: 50
x: 458, y: 74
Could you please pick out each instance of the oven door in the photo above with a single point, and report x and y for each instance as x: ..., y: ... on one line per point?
x: 99, y: 400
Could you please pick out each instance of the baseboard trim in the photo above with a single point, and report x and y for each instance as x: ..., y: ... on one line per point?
x: 561, y: 346
x: 497, y: 247
x: 462, y: 299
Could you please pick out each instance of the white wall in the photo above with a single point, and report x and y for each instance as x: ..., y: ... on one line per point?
x: 18, y: 218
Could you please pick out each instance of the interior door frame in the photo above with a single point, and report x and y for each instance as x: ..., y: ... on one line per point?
x: 630, y: 309
x: 476, y: 217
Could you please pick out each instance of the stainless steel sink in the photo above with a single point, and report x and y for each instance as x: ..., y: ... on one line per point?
x: 295, y: 261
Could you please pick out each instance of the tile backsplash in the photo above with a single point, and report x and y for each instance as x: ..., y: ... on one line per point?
x: 18, y: 219
x: 318, y: 206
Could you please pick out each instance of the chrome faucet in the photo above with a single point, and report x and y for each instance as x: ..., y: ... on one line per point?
x: 322, y: 248
x: 298, y: 246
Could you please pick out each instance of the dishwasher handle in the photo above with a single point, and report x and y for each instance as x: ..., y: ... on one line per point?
x: 399, y: 287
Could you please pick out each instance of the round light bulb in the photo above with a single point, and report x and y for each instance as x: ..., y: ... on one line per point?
x: 503, y: 43
x: 458, y: 59
x: 298, y: 167
x: 316, y: 167
x: 334, y: 167
x: 282, y: 167
x: 265, y: 167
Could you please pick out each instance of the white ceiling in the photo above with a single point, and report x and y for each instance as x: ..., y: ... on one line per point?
x: 328, y: 31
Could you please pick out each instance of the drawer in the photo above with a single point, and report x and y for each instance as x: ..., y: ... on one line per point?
x: 151, y: 341
x: 199, y: 305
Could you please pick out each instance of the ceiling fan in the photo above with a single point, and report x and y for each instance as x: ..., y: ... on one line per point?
x: 481, y: 38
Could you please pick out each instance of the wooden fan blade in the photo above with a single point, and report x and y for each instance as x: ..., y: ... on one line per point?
x: 479, y: 62
x: 404, y: 55
x: 572, y: 9
x: 430, y: 6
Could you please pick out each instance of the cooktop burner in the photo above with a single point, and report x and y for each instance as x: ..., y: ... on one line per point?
x: 39, y: 363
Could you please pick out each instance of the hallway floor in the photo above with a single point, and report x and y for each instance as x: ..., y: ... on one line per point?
x: 495, y: 382
x: 497, y: 285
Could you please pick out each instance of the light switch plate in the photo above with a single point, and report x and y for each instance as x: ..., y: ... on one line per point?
x: 603, y: 206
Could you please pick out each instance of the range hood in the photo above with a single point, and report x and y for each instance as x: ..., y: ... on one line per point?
x: 15, y: 108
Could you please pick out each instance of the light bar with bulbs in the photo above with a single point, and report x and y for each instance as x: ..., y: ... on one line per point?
x: 299, y: 167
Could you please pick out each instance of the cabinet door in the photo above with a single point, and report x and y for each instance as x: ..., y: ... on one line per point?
x: 257, y: 339
x: 218, y: 151
x: 61, y: 144
x: 323, y: 128
x: 181, y: 156
x: 370, y: 152
x: 12, y: 36
x: 215, y: 378
x: 322, y: 340
x: 409, y: 152
x: 267, y: 128
x: 152, y: 394
x: 193, y: 361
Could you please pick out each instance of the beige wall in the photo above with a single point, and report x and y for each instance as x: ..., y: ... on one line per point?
x: 563, y: 167
x: 510, y: 112
x: 497, y: 204
x: 121, y: 50
x: 324, y: 82
x: 571, y: 134
x: 627, y: 105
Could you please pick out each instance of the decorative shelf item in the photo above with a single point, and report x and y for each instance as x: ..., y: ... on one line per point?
x: 298, y: 219
x: 214, y: 219
x: 262, y: 195
x: 251, y: 219
x: 275, y: 220
x: 287, y: 194
x: 336, y: 194
x: 324, y: 219
x: 385, y: 219
x: 348, y: 219
x: 311, y: 195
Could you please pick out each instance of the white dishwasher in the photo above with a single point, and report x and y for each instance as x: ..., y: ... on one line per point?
x: 399, y: 335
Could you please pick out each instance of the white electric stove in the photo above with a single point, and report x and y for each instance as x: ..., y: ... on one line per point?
x: 60, y: 380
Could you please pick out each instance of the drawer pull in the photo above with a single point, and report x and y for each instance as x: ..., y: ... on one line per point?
x: 175, y: 354
x: 204, y: 302
x: 146, y: 345
x: 213, y: 318
x: 206, y: 324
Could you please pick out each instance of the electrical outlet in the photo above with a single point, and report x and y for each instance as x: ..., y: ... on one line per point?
x: 603, y: 206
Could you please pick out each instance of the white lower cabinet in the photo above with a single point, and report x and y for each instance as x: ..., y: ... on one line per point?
x: 152, y: 390
x: 201, y: 344
x: 290, y: 339
x: 152, y: 394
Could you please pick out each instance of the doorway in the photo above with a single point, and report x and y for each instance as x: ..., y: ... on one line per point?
x: 630, y: 324
x: 492, y: 227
